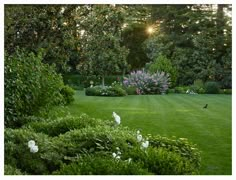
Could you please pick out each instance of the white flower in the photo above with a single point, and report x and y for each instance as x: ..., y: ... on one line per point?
x: 117, y: 157
x: 34, y: 149
x: 114, y: 155
x: 117, y: 118
x: 139, y: 137
x: 31, y: 143
x: 145, y: 144
x: 138, y: 132
x: 119, y: 152
x: 129, y: 160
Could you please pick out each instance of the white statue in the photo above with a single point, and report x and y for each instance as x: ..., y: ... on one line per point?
x: 116, y: 117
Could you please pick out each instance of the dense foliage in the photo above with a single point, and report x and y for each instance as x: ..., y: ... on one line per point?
x: 161, y: 63
x: 196, y: 38
x: 85, y: 145
x: 51, y: 27
x: 146, y: 83
x: 187, y: 48
x: 133, y: 36
x: 96, y: 39
x: 101, y: 42
x: 212, y: 87
x: 79, y: 82
x: 30, y: 85
x: 114, y: 90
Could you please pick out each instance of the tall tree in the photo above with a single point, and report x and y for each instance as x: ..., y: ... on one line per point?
x: 134, y: 35
x: 51, y: 27
x: 197, y: 40
x: 101, y: 41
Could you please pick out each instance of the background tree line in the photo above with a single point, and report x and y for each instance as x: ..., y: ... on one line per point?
x: 103, y: 40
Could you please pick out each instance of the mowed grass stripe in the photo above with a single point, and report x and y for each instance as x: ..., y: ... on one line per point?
x: 169, y: 115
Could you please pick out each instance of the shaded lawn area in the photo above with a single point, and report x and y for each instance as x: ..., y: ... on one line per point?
x: 179, y: 115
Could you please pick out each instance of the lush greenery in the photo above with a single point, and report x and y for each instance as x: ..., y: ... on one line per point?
x: 161, y: 63
x: 212, y: 88
x: 31, y: 86
x: 100, y: 42
x: 34, y: 27
x: 180, y: 115
x: 134, y: 35
x: 196, y: 38
x: 84, y: 145
x: 117, y: 50
x: 105, y: 91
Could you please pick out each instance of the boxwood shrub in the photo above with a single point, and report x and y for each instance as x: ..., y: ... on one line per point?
x: 101, y: 165
x: 30, y: 85
x: 105, y: 91
x: 84, y: 145
x: 212, y: 87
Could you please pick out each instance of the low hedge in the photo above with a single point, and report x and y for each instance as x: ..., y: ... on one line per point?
x: 84, y: 145
x: 105, y: 91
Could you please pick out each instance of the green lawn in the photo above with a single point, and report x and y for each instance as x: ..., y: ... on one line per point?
x: 179, y: 115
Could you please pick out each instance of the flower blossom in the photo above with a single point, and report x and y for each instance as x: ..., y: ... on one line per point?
x: 32, y: 146
x: 31, y: 143
x: 145, y: 144
x: 139, y: 137
x: 34, y: 149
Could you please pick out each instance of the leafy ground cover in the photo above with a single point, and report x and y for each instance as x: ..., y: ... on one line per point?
x: 179, y: 115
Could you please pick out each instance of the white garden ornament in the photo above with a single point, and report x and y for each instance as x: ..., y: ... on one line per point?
x: 116, y: 117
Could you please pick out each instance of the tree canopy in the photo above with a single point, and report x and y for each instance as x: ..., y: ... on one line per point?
x: 113, y: 39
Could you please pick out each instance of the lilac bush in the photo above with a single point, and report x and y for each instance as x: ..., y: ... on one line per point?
x: 146, y: 83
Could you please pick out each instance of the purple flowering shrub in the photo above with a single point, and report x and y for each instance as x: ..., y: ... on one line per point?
x: 146, y: 83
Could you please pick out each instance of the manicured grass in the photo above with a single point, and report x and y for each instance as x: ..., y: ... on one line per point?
x: 179, y: 115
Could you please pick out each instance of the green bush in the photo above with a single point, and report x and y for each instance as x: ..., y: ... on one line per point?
x: 212, y: 87
x: 180, y: 146
x: 9, y: 170
x: 68, y: 94
x: 162, y: 63
x: 198, y: 86
x: 29, y: 86
x: 105, y: 91
x: 79, y: 81
x: 225, y: 91
x: 99, y: 139
x: 17, y: 152
x: 130, y: 90
x: 161, y: 161
x: 84, y: 145
x: 63, y: 125
x: 171, y: 91
x: 101, y: 165
x: 201, y: 91
x: 181, y: 89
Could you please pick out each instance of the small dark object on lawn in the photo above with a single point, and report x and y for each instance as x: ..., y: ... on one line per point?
x: 205, y: 106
